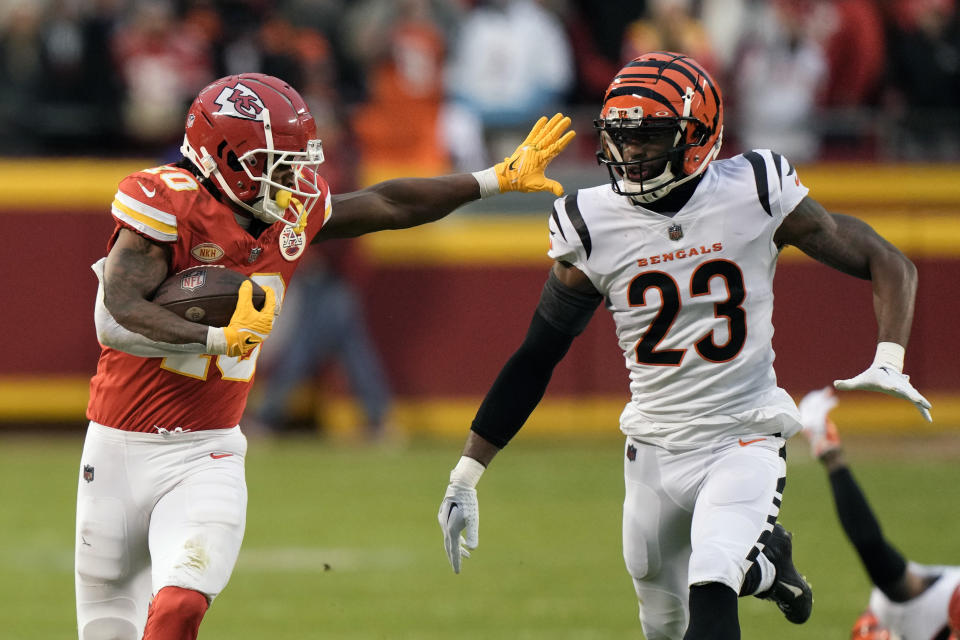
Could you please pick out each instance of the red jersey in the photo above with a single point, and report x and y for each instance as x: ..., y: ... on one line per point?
x: 192, y: 391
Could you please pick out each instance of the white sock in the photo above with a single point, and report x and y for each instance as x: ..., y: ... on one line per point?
x: 768, y: 573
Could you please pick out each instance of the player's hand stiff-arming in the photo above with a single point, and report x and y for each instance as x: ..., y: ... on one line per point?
x: 460, y: 512
x: 523, y: 170
x: 248, y: 327
x: 886, y: 376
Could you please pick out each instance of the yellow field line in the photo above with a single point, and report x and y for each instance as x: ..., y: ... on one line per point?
x: 42, y: 400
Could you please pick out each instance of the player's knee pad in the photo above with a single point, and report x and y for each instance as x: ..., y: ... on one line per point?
x: 101, y: 616
x: 109, y: 629
x: 663, y: 615
x: 175, y: 614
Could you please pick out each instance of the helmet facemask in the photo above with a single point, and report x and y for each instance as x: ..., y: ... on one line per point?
x: 288, y: 182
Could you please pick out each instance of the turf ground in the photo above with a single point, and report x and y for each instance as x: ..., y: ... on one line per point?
x: 342, y: 542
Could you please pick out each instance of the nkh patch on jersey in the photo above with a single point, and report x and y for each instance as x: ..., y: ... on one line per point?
x: 207, y: 252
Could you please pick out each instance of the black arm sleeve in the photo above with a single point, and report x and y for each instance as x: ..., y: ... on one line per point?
x: 885, y: 565
x: 524, y: 378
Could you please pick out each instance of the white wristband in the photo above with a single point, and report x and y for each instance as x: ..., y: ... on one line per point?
x: 467, y: 472
x: 216, y: 340
x: 889, y: 354
x: 489, y: 185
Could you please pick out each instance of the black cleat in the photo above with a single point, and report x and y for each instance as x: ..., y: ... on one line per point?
x: 790, y: 590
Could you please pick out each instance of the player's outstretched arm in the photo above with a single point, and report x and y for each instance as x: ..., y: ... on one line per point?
x: 408, y: 202
x: 853, y: 247
x: 566, y: 306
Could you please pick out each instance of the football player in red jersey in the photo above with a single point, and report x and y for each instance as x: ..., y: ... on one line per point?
x: 162, y: 497
x: 682, y: 250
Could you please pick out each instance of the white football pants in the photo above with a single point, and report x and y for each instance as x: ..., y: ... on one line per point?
x: 924, y: 616
x: 693, y: 517
x: 154, y: 510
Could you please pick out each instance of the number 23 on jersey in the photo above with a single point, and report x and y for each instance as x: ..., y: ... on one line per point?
x: 703, y: 278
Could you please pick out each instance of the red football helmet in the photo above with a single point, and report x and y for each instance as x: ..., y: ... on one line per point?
x: 658, y: 94
x: 254, y: 136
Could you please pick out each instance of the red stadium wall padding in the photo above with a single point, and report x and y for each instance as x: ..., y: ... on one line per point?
x: 50, y: 287
x: 446, y: 329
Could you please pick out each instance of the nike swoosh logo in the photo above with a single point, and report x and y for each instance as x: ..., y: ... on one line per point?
x: 217, y: 456
x: 744, y: 443
x: 511, y: 166
x: 149, y: 193
x: 796, y: 591
x: 251, y: 341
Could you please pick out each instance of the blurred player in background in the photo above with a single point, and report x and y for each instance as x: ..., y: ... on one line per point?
x: 909, y: 601
x: 682, y: 251
x: 161, y: 505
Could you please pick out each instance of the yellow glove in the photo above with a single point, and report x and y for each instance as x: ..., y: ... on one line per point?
x: 523, y: 171
x: 249, y: 327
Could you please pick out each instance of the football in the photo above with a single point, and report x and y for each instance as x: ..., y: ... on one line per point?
x: 206, y: 294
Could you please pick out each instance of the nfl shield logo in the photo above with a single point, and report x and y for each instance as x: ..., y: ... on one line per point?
x: 675, y: 232
x: 192, y: 280
x: 631, y: 452
x: 88, y: 472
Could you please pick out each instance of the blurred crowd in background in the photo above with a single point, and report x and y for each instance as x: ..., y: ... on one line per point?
x: 438, y: 83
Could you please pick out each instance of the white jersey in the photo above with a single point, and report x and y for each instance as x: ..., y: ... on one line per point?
x: 692, y: 298
x: 923, y: 617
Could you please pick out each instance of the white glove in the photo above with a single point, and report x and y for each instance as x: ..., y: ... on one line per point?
x: 885, y: 376
x: 819, y: 429
x: 459, y: 511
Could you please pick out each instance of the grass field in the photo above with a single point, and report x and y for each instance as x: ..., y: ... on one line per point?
x: 342, y: 542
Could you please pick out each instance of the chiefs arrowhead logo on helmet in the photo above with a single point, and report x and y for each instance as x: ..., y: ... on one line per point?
x: 240, y: 101
x: 667, y: 102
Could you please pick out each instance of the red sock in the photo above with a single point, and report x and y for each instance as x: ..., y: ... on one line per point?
x: 175, y: 614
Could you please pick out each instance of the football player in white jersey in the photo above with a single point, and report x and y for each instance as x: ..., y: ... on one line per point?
x: 682, y: 251
x: 909, y: 601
